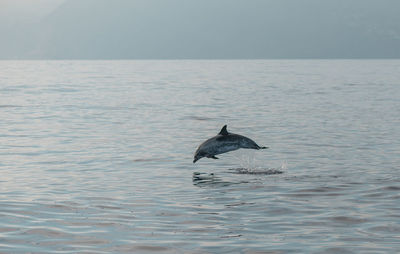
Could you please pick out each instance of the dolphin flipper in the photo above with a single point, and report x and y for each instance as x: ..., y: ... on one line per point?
x: 215, y: 158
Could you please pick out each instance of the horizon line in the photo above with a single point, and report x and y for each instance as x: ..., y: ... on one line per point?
x: 193, y: 59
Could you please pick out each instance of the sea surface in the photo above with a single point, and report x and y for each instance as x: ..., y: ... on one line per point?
x: 96, y: 156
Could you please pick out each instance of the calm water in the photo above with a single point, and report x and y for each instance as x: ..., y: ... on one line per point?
x: 96, y: 157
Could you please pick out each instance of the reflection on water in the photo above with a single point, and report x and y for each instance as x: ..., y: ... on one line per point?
x: 96, y: 157
x: 211, y: 180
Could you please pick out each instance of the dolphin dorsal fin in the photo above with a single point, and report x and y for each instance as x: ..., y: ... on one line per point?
x: 223, y: 131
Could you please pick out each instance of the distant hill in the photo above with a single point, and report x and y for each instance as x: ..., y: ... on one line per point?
x: 181, y: 29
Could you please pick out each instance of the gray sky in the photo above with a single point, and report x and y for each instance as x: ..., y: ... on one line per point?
x: 210, y: 29
x: 17, y: 11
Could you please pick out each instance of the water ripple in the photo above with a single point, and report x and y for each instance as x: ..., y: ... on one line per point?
x: 96, y: 157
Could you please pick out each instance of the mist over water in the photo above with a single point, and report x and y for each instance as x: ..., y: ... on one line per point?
x: 193, y: 29
x: 96, y: 156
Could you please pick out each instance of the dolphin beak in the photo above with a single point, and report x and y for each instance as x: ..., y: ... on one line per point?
x: 194, y: 161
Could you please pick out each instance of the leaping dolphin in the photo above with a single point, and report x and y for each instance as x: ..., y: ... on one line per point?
x: 222, y: 143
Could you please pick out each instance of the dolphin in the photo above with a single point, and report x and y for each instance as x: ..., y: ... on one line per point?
x: 222, y: 143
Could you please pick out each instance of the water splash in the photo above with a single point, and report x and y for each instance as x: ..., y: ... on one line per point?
x: 250, y: 165
x: 261, y: 171
x: 247, y: 159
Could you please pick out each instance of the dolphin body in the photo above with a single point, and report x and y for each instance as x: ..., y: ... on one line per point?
x: 222, y: 143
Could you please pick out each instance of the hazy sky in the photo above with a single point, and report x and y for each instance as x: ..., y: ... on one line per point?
x: 26, y: 10
x: 165, y: 29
